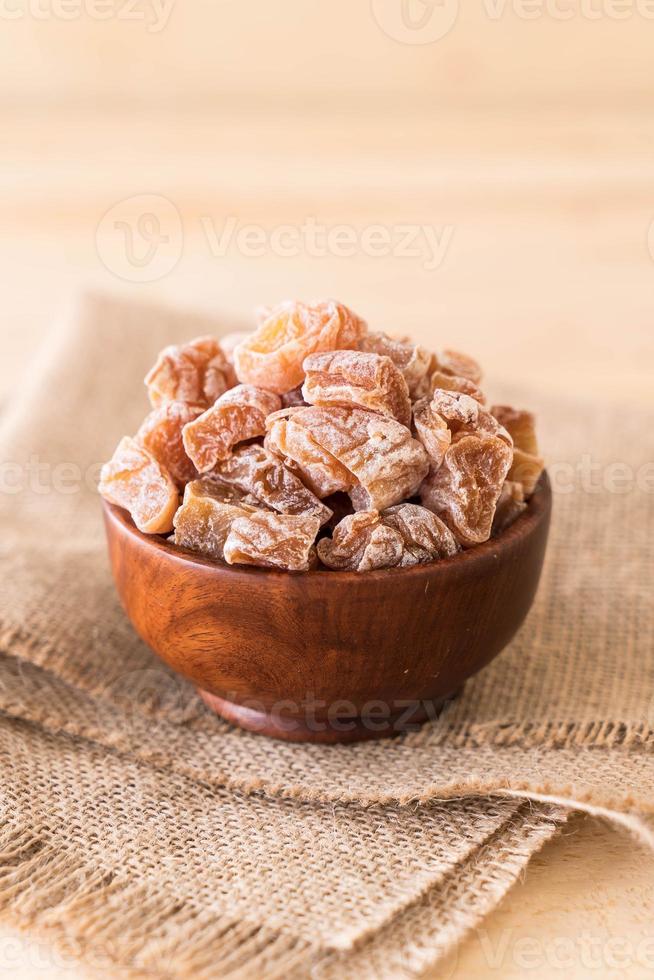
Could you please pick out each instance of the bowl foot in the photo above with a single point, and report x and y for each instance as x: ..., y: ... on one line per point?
x: 338, y: 726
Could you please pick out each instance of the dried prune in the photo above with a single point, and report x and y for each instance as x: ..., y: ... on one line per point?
x: 161, y: 434
x: 310, y: 426
x: 511, y: 504
x: 465, y: 416
x: 425, y: 537
x: 348, y: 377
x: 461, y: 365
x: 230, y: 341
x: 253, y: 469
x: 135, y: 480
x: 527, y: 462
x: 293, y: 442
x: 203, y: 521
x: 272, y: 540
x: 197, y: 372
x: 453, y: 382
x: 404, y: 535
x: 520, y: 424
x: 414, y: 361
x: 458, y: 410
x: 464, y: 491
x: 432, y: 431
x: 272, y: 357
x: 361, y: 543
x: 387, y: 463
x: 526, y: 470
x: 238, y: 415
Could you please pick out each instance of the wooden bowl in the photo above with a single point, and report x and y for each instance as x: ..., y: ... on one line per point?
x: 329, y: 656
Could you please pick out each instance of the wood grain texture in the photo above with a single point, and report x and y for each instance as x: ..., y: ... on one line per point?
x: 548, y: 280
x: 313, y: 655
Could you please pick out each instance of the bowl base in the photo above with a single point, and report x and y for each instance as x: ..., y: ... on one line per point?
x: 337, y: 728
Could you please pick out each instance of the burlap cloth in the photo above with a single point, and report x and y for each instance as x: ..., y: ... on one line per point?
x: 151, y: 837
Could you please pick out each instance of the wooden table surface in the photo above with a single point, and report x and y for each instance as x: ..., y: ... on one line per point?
x: 544, y: 273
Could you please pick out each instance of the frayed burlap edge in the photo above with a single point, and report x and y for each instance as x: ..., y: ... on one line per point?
x: 547, y: 735
x: 105, y: 921
x: 39, y: 697
x: 100, y: 919
x: 431, y: 929
x: 18, y: 643
x: 628, y: 814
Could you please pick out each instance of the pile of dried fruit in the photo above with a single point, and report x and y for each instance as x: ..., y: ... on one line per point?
x: 316, y: 443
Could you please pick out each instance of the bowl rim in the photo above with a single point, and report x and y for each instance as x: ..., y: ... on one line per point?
x: 538, y: 509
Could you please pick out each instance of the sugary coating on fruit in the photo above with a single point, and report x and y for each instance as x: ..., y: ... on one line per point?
x: 415, y: 362
x: 455, y: 363
x: 272, y: 357
x: 356, y: 427
x: 527, y: 461
x: 238, y: 415
x: 208, y: 510
x: 197, y: 372
x: 424, y: 536
x: 230, y: 342
x: 272, y: 540
x: 350, y: 377
x: 293, y: 442
x: 293, y: 398
x: 254, y: 469
x: 387, y: 463
x: 510, y: 505
x: 361, y: 543
x: 133, y: 479
x: 464, y: 491
x: 454, y: 382
x: 432, y: 431
x: 404, y: 535
x: 457, y: 409
x: 465, y: 416
x: 161, y: 434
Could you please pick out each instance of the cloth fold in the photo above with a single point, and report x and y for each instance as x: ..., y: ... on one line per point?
x: 158, y: 874
x: 373, y: 858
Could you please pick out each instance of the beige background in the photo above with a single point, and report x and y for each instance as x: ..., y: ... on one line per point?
x: 525, y: 144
